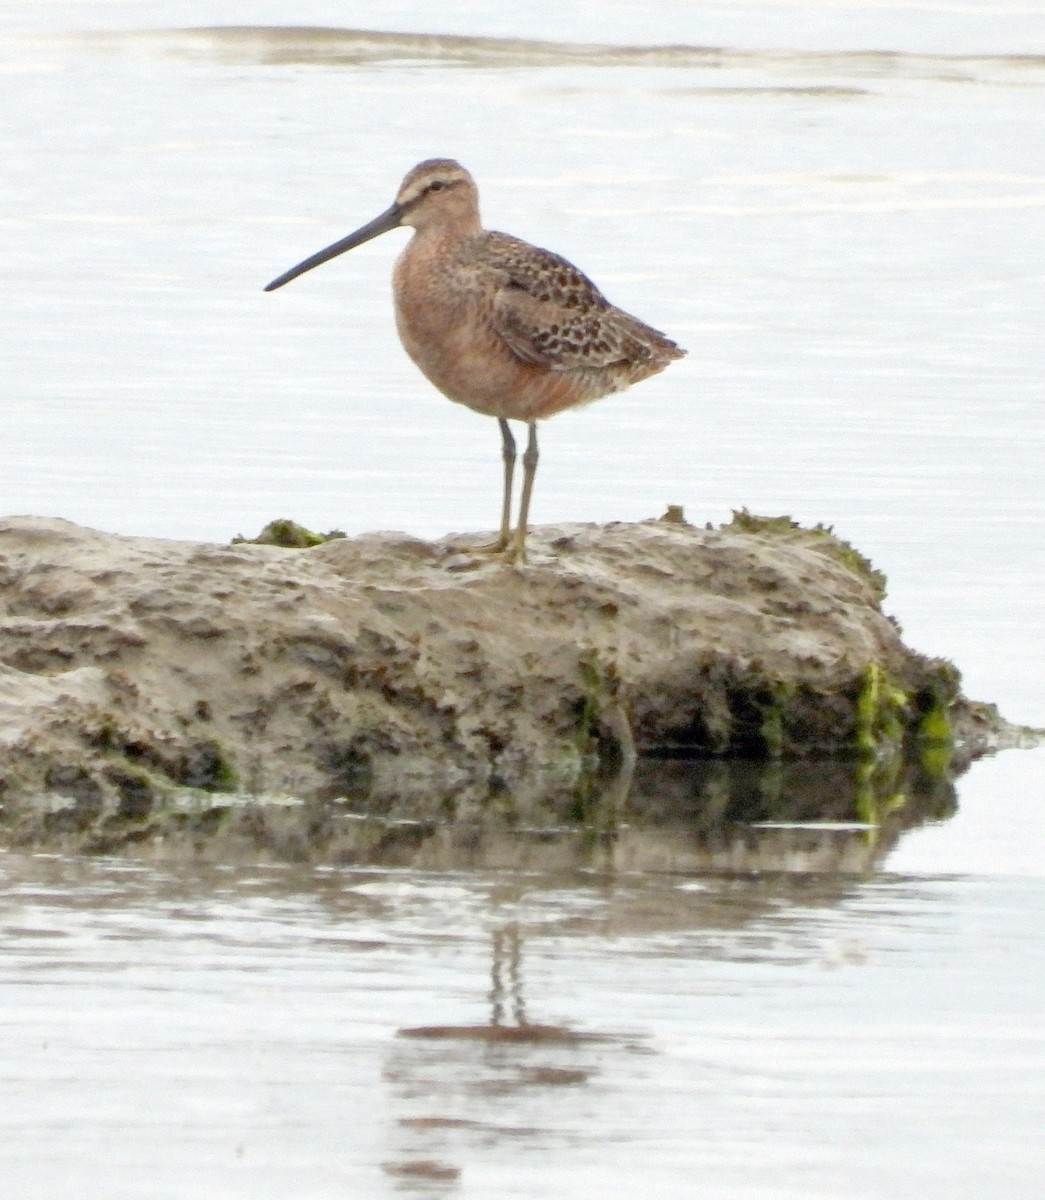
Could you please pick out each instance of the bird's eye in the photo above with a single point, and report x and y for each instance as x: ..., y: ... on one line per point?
x: 436, y: 185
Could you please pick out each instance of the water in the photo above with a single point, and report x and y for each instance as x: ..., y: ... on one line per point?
x: 849, y: 243
x: 246, y: 1031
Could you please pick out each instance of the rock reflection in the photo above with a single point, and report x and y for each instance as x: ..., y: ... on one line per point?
x: 692, y: 816
x: 820, y: 817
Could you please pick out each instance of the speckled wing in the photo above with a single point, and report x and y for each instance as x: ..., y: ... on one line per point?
x: 552, y: 315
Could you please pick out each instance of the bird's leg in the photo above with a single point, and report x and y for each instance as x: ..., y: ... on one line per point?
x: 508, y: 454
x: 529, y: 462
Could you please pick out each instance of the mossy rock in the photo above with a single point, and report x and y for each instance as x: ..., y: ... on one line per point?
x: 287, y: 533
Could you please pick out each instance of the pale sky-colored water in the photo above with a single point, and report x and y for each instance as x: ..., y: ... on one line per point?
x: 951, y: 26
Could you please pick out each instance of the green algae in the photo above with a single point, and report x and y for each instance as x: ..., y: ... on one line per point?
x: 773, y: 730
x: 674, y: 514
x: 916, y: 726
x: 596, y: 754
x: 138, y: 765
x: 289, y: 534
x: 933, y: 735
x: 819, y: 535
x: 881, y: 709
x: 878, y: 791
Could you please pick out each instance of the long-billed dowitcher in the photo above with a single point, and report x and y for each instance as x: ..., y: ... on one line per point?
x: 506, y: 328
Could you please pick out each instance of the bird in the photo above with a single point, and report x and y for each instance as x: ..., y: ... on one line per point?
x: 497, y: 324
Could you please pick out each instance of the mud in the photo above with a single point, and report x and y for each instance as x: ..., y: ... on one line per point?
x: 395, y: 679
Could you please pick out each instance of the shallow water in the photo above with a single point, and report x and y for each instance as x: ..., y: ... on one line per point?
x: 839, y: 210
x: 274, y: 1031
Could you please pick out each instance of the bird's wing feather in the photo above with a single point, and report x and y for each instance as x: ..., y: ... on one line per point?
x: 552, y: 315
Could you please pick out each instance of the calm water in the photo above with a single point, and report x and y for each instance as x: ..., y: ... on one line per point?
x: 850, y: 243
x: 246, y: 1032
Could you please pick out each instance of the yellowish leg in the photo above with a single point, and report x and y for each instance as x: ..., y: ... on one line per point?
x: 529, y: 461
x: 508, y: 454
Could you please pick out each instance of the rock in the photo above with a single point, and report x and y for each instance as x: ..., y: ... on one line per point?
x: 403, y: 679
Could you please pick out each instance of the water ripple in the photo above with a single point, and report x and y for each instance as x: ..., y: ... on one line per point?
x: 285, y: 45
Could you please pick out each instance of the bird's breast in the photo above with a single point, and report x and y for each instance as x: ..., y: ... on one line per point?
x: 445, y: 308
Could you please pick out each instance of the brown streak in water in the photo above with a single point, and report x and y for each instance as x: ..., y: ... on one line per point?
x: 422, y: 1168
x: 527, y: 1034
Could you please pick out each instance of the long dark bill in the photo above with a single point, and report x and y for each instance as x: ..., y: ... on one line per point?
x: 389, y: 219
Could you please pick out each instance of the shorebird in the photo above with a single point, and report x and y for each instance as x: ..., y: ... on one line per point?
x: 497, y: 324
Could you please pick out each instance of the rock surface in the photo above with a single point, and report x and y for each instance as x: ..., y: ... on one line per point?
x: 409, y: 679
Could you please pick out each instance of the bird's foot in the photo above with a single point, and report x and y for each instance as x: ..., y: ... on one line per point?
x: 515, y: 551
x: 499, y: 546
x: 509, y: 547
